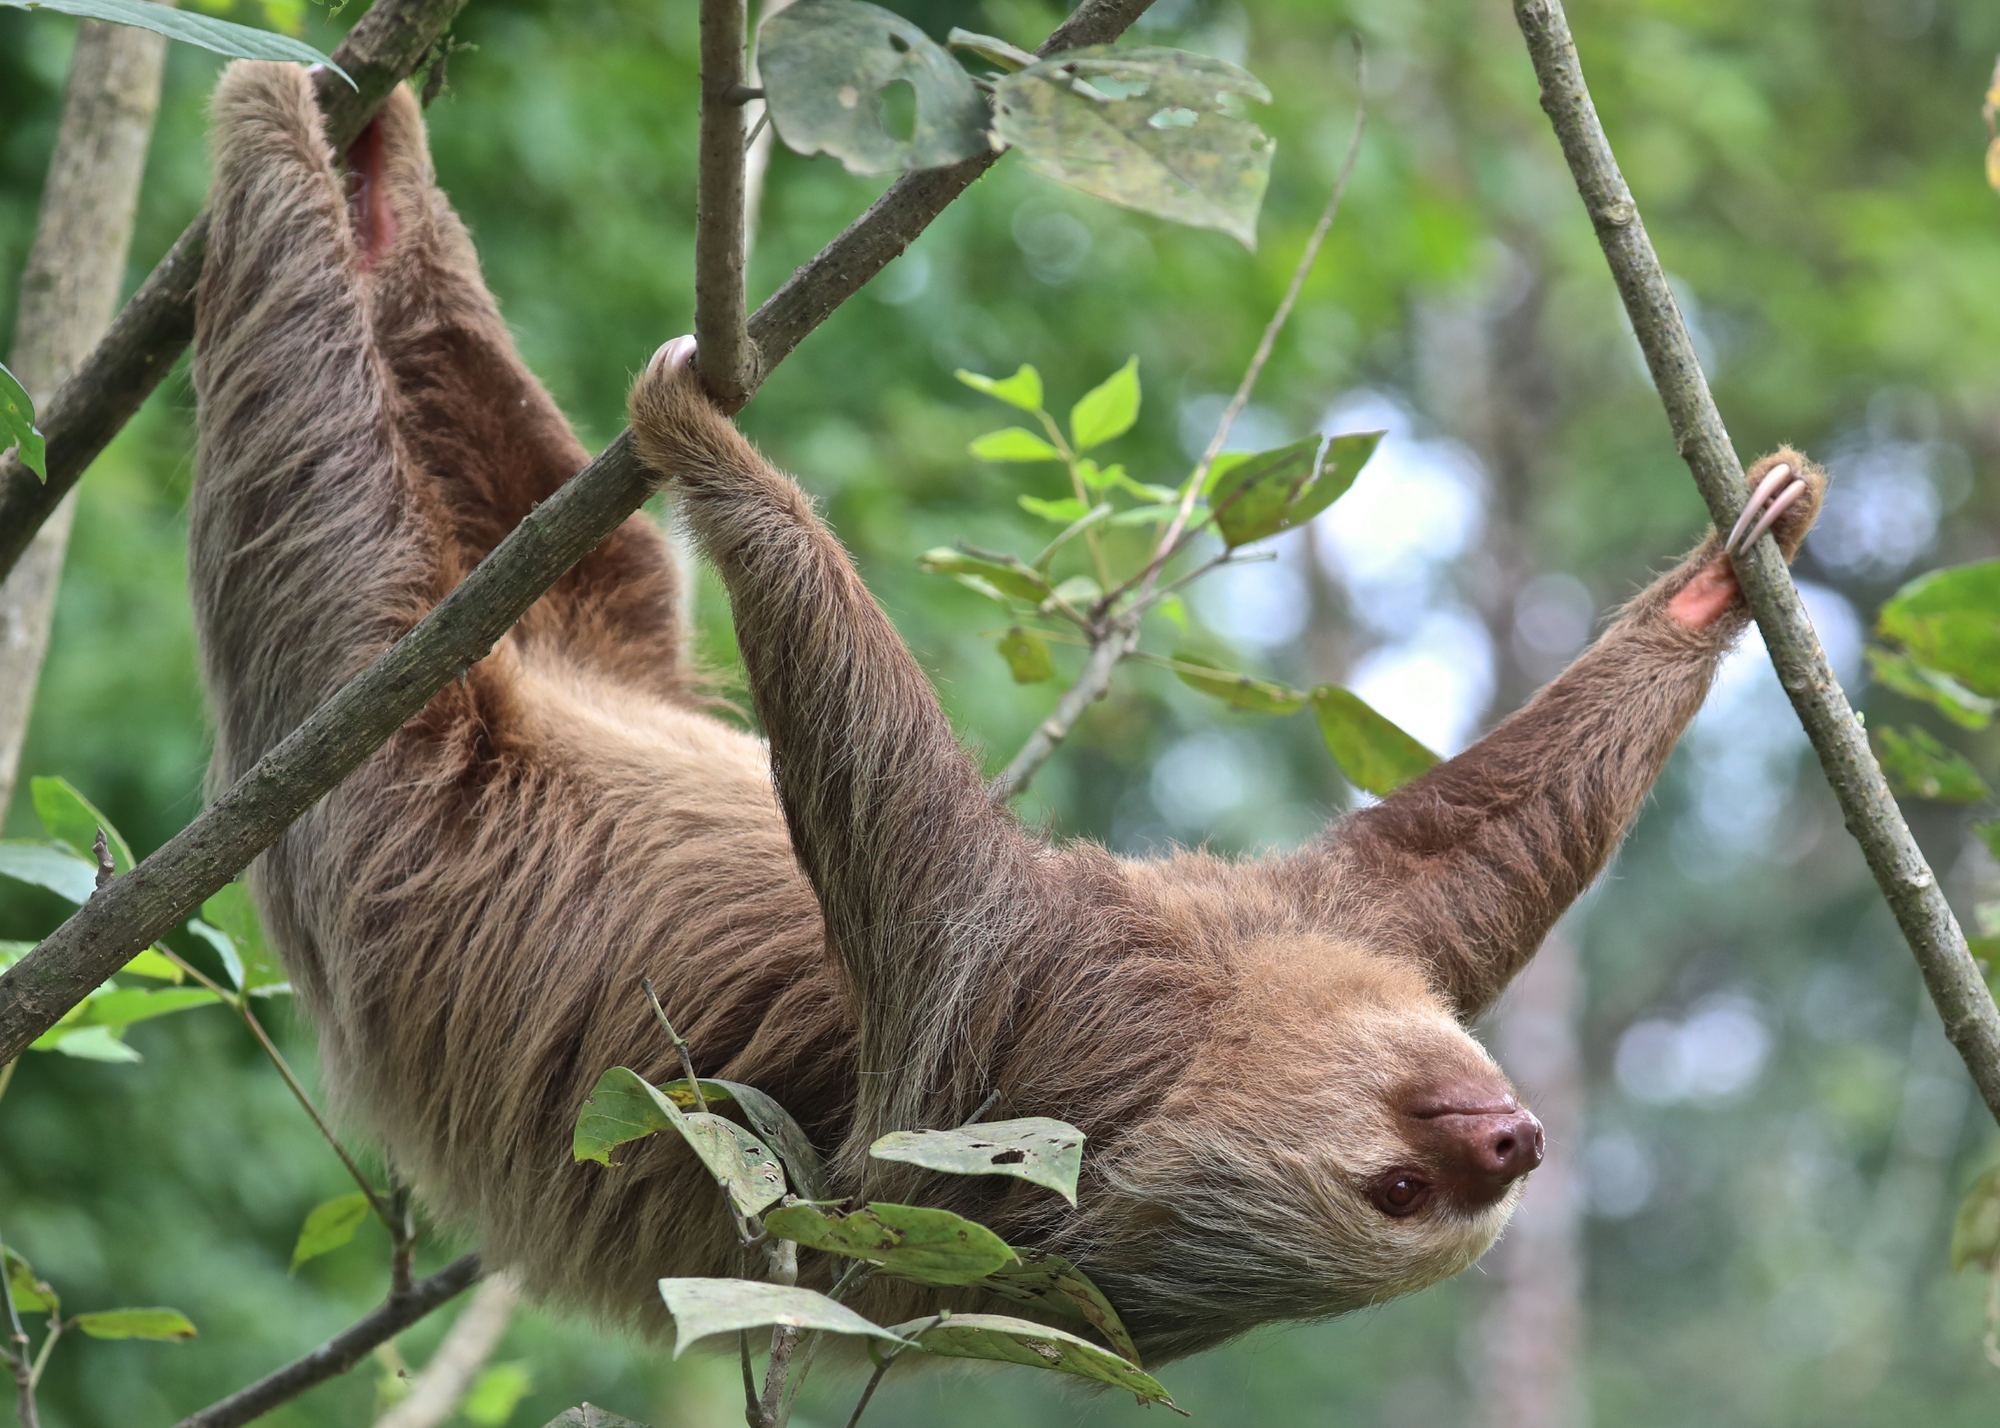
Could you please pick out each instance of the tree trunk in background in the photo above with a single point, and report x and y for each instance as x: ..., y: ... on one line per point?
x: 1531, y: 1340
x: 69, y: 294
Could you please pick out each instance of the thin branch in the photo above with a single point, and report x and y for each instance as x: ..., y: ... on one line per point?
x: 138, y: 908
x: 384, y: 46
x: 18, y: 1359
x: 725, y: 358
x: 470, y: 1342
x: 881, y: 1368
x: 1105, y: 653
x: 1970, y: 1018
x: 342, y: 1352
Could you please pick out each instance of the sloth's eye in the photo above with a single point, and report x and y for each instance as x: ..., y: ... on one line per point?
x: 1400, y: 1194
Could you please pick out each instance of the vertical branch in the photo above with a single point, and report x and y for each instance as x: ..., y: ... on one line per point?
x: 724, y: 356
x: 69, y: 292
x: 17, y: 1349
x: 1937, y: 942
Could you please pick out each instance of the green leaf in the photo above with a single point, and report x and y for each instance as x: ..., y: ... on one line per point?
x: 73, y: 819
x: 704, y: 1307
x: 31, y: 1295
x: 1035, y: 1148
x: 224, y: 948
x: 1918, y: 766
x: 1107, y: 410
x: 155, y: 964
x: 910, y: 1241
x: 1252, y: 497
x: 496, y: 1393
x: 1078, y: 591
x: 86, y: 1043
x: 232, y: 912
x: 1915, y: 681
x: 1013, y: 443
x: 224, y: 38
x: 1027, y: 656
x: 164, y: 1324
x: 1147, y: 128
x: 1374, y: 753
x: 17, y: 425
x: 1975, y: 1231
x: 1064, y: 511
x: 1009, y: 575
x: 329, y: 1226
x: 770, y: 1120
x: 825, y: 65
x: 1344, y: 458
x: 1018, y: 1341
x: 1052, y: 1282
x: 121, y: 1008
x: 996, y: 52
x: 49, y: 865
x: 1023, y: 389
x: 1259, y: 696
x: 1950, y: 622
x: 623, y: 1107
x: 1145, y: 515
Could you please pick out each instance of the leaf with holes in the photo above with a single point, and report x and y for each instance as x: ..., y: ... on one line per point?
x: 1372, y: 751
x: 909, y: 1241
x: 1023, y: 389
x: 1002, y: 1339
x: 1052, y: 1282
x: 17, y: 425
x: 165, y: 1325
x: 770, y: 1120
x: 1027, y: 656
x: 1035, y: 1148
x: 1107, y: 411
x: 624, y: 1107
x: 1008, y: 575
x: 203, y: 31
x: 829, y: 66
x: 1919, y: 766
x: 1257, y: 696
x: 994, y: 51
x: 1157, y: 130
x: 704, y: 1307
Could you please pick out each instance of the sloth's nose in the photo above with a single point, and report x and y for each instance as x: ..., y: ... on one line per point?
x: 1502, y: 1148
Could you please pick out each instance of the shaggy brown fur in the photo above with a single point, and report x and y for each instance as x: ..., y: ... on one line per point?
x: 1256, y: 1049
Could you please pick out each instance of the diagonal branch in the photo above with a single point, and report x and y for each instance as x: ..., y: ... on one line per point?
x: 384, y: 46
x: 1970, y: 1018
x: 133, y: 911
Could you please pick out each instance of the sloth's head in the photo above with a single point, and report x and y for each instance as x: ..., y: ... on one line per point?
x: 1340, y: 1140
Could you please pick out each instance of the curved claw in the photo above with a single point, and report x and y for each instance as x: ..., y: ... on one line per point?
x: 1770, y: 516
x: 1773, y: 480
x: 674, y: 356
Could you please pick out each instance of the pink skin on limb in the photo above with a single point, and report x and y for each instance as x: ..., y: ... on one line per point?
x: 1705, y: 597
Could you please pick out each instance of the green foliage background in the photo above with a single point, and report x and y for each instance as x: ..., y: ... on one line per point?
x: 1810, y: 170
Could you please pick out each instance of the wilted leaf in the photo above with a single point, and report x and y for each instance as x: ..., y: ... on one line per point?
x: 1017, y: 1341
x: 1106, y: 411
x: 31, y: 1295
x: 702, y: 1307
x: 1034, y: 1148
x: 1918, y: 766
x: 17, y: 425
x: 329, y: 1226
x: 1063, y: 511
x: 1949, y: 620
x: 1975, y: 1233
x: 1009, y: 576
x: 73, y: 819
x: 930, y: 1246
x: 164, y: 1324
x: 496, y: 1393
x: 1151, y: 129
x: 49, y: 865
x: 1049, y: 1280
x: 1913, y: 681
x: 826, y: 64
x: 623, y: 1107
x: 220, y: 36
x: 1023, y: 389
x: 1374, y: 753
x: 1013, y: 443
x: 770, y: 1120
x: 1027, y: 656
x: 993, y: 51
x: 1259, y: 696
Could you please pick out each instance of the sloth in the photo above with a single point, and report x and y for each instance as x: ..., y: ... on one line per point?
x: 1287, y: 1116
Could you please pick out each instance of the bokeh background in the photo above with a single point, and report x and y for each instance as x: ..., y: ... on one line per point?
x: 1760, y: 1133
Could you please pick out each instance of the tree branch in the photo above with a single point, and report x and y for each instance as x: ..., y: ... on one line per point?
x: 1105, y: 654
x: 340, y: 1353
x: 149, y: 335
x: 725, y: 359
x: 470, y: 1342
x: 1970, y: 1018
x: 136, y: 909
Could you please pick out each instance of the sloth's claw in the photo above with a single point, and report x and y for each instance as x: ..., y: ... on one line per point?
x: 674, y: 356
x: 1777, y: 478
x: 1788, y: 498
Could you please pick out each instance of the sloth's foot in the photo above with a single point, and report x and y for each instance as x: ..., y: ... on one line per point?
x: 1785, y: 492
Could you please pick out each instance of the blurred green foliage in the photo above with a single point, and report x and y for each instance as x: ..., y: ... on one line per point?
x: 1768, y: 1246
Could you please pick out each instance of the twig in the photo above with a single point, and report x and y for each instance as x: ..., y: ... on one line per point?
x: 680, y: 1045
x: 140, y: 907
x: 1118, y: 641
x: 467, y: 1345
x: 100, y: 847
x: 725, y: 358
x: 753, y: 1411
x: 875, y: 1379
x: 1970, y: 1018
x: 384, y: 46
x: 17, y: 1350
x: 342, y: 1352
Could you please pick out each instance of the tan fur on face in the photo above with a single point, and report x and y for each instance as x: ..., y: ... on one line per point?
x: 841, y: 917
